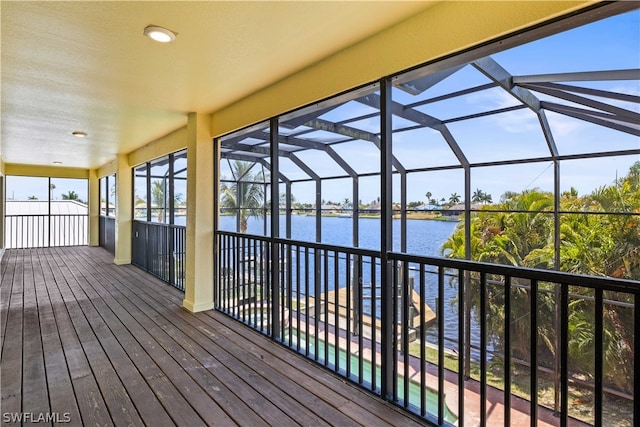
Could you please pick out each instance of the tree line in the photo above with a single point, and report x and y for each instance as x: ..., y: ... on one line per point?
x: 599, y: 235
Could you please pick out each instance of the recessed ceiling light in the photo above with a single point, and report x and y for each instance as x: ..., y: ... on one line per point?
x: 79, y: 134
x: 57, y: 163
x: 159, y: 34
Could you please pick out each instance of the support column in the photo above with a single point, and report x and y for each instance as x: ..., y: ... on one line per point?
x: 124, y: 211
x: 2, y: 208
x: 94, y: 208
x: 198, y: 294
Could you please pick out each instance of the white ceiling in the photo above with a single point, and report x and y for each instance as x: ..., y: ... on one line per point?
x: 86, y: 66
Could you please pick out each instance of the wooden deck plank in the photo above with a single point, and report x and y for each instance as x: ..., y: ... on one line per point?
x: 61, y: 395
x: 6, y: 282
x: 282, y: 390
x: 11, y: 378
x: 240, y: 410
x: 93, y: 409
x: 264, y: 392
x: 344, y: 402
x: 145, y: 401
x: 165, y: 357
x: 110, y: 332
x: 284, y: 361
x: 118, y: 342
x: 120, y: 406
x: 35, y: 396
x: 365, y: 410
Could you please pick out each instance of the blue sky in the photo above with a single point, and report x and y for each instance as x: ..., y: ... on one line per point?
x: 610, y: 44
x: 21, y: 188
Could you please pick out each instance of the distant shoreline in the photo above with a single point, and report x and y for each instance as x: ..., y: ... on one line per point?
x: 410, y: 216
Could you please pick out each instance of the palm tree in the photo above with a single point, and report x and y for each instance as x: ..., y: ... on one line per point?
x: 454, y: 198
x: 157, y: 198
x: 477, y: 196
x: 71, y: 195
x: 600, y: 244
x: 245, y: 195
x: 508, y: 195
x: 283, y: 199
x: 428, y: 196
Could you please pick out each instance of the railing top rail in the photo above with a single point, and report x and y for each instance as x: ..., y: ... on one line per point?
x: 45, y: 214
x: 160, y: 224
x: 314, y: 245
x: 596, y: 282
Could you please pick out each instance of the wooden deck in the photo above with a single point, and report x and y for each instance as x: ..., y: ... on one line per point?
x: 92, y: 343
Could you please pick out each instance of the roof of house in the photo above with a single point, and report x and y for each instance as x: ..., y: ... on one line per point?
x: 41, y: 207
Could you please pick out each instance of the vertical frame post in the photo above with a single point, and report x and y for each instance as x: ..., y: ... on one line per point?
x: 275, y: 231
x: 217, y: 268
x: 386, y: 239
x: 171, y: 235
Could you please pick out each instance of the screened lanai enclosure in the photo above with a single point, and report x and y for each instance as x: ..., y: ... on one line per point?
x: 159, y: 220
x: 458, y: 237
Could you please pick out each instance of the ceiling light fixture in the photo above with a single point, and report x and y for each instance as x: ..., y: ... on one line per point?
x: 79, y: 134
x: 159, y: 34
x: 57, y: 163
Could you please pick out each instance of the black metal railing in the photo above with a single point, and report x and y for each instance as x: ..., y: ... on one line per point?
x: 160, y: 249
x: 107, y: 233
x: 463, y: 335
x: 44, y: 230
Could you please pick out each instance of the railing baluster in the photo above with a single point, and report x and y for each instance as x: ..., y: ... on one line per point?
x: 423, y: 361
x: 483, y: 349
x: 336, y: 308
x: 245, y: 285
x: 226, y: 274
x: 564, y: 354
x: 349, y: 313
x: 461, y: 345
x: 307, y: 276
x: 218, y: 274
x: 533, y: 300
x: 238, y: 274
x: 260, y: 282
x: 328, y: 276
x: 252, y: 282
x: 406, y: 298
x: 298, y: 310
x: 374, y: 328
x: 507, y: 350
x: 598, y: 362
x: 269, y: 285
x: 318, y: 301
x: 325, y: 297
x: 636, y: 356
x: 47, y: 230
x: 393, y: 328
x: 289, y: 268
x: 440, y: 317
